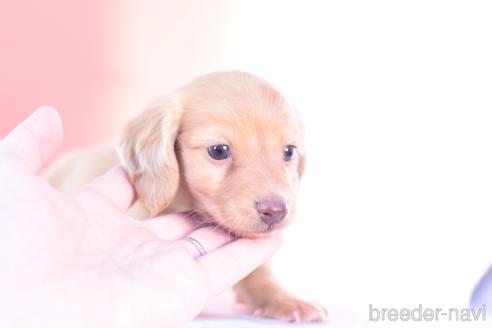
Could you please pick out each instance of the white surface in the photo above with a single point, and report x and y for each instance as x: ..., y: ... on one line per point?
x: 250, y: 323
x: 339, y: 317
x: 396, y: 204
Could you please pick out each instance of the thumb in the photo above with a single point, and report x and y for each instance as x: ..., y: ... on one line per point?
x: 34, y: 141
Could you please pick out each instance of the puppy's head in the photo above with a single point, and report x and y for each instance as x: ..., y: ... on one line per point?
x: 234, y: 141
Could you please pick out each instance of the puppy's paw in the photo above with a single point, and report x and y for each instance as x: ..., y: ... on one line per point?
x: 292, y: 310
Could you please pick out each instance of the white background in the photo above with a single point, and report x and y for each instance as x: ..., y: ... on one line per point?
x: 395, y: 206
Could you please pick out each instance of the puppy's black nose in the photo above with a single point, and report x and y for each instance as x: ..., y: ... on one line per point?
x: 271, y: 210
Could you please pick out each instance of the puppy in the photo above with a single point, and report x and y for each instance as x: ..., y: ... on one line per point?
x: 227, y: 146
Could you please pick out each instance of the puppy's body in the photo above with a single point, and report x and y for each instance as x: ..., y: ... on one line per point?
x: 76, y: 169
x: 227, y: 146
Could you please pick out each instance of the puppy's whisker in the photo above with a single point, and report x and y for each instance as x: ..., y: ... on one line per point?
x: 225, y: 222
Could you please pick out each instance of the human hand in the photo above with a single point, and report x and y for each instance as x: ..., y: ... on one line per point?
x: 76, y: 260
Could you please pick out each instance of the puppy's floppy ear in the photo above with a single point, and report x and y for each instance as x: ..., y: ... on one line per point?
x: 147, y: 151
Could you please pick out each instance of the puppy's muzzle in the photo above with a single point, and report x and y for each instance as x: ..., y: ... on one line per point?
x: 271, y: 210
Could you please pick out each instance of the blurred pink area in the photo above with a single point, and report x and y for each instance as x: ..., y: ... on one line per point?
x: 223, y: 305
x: 99, y: 62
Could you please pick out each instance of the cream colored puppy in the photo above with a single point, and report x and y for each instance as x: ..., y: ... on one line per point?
x: 227, y: 146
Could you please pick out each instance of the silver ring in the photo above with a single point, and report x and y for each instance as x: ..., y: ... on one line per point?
x: 199, y: 247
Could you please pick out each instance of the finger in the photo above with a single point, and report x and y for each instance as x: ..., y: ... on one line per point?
x: 114, y: 186
x: 229, y: 264
x: 170, y: 226
x: 34, y: 142
x: 205, y: 240
x: 209, y: 239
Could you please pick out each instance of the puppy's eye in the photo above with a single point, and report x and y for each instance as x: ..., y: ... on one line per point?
x: 289, y: 152
x: 219, y: 152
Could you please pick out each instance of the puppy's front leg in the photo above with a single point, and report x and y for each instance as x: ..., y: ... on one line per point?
x: 266, y: 298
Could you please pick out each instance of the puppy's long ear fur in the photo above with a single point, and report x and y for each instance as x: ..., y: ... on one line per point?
x: 147, y: 151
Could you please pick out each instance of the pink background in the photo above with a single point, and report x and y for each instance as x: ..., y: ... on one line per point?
x: 99, y: 62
